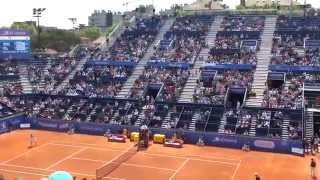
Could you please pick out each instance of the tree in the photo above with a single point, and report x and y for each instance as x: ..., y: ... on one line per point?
x: 31, y: 27
x: 91, y: 32
x: 59, y: 40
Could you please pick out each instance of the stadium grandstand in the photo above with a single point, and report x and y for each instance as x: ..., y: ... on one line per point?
x: 229, y: 79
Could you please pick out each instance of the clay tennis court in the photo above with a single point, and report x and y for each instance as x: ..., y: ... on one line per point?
x: 81, y: 155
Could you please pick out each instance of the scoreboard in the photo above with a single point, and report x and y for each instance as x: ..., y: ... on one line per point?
x: 14, y: 44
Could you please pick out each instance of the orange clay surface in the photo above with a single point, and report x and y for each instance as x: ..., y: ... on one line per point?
x: 81, y: 155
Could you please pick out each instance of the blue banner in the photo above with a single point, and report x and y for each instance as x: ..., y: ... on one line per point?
x: 245, y: 67
x: 158, y: 64
x: 3, y: 127
x: 15, y: 44
x: 276, y: 76
x: 111, y: 63
x: 249, y: 44
x: 12, y: 123
x: 53, y: 125
x: 296, y: 69
x: 210, y: 139
x: 311, y: 44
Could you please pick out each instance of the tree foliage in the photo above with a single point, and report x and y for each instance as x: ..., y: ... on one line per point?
x: 59, y: 40
x: 91, y: 33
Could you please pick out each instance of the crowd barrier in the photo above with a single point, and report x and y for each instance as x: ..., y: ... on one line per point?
x: 191, y: 137
x: 158, y: 64
x: 276, y: 76
x: 9, y: 77
x: 110, y: 62
x: 244, y: 67
x: 295, y: 69
x: 13, y: 122
x: 245, y: 34
x: 312, y: 44
x: 210, y: 139
x: 219, y: 51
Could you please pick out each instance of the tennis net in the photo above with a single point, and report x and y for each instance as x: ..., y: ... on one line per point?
x: 109, y: 167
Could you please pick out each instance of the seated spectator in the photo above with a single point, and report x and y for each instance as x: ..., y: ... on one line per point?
x: 213, y: 91
x: 243, y: 23
x: 9, y: 67
x: 132, y: 44
x: 12, y: 88
x: 227, y: 42
x: 59, y: 70
x: 285, y: 97
x: 186, y: 40
x: 97, y: 81
x: 173, y: 80
x: 245, y: 57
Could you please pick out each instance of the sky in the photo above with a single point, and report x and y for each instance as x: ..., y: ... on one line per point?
x: 58, y: 12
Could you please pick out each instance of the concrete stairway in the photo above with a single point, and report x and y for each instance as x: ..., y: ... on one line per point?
x: 188, y: 90
x: 300, y: 51
x: 42, y: 82
x: 166, y: 120
x: 66, y: 81
x: 24, y: 79
x: 92, y: 112
x: 117, y: 31
x: 285, y: 125
x: 223, y: 122
x: 195, y: 118
x: 309, y: 130
x: 140, y: 66
x: 264, y: 56
x: 252, y: 131
x: 140, y: 119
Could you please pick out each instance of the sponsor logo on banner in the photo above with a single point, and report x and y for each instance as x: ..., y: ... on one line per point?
x: 48, y: 125
x: 91, y: 128
x: 64, y: 126
x: 223, y: 139
x: 25, y: 125
x: 284, y: 143
x: 297, y: 150
x: 264, y: 144
x: 15, y: 121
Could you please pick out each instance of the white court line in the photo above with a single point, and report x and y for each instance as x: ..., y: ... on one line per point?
x: 45, y: 175
x: 41, y: 169
x: 195, y: 159
x: 179, y: 169
x: 66, y: 158
x: 22, y: 172
x: 216, y: 157
x: 26, y: 167
x: 22, y: 154
x: 183, y: 155
x: 85, y: 159
x: 80, y: 146
x: 150, y: 167
x: 87, y: 144
x: 127, y: 164
x: 235, y: 171
x: 177, y: 156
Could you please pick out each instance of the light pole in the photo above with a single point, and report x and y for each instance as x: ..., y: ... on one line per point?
x: 37, y: 12
x: 74, y: 22
x: 304, y: 9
